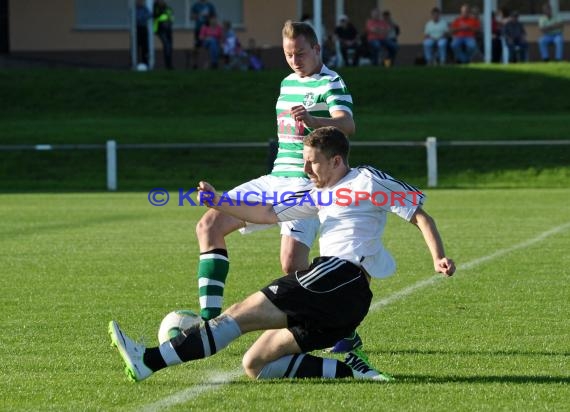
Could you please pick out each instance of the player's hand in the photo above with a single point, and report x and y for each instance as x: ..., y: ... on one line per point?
x: 205, y: 187
x: 206, y: 193
x: 445, y: 266
x: 300, y: 114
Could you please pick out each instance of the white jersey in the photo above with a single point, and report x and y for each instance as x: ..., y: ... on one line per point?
x: 353, y: 215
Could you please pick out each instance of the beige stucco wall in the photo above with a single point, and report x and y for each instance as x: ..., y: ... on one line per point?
x: 411, y: 16
x: 39, y: 25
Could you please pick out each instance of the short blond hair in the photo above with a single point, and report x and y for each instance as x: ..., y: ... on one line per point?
x: 293, y: 29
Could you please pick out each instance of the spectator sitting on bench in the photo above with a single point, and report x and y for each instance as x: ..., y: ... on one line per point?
x: 435, y: 36
x: 515, y: 38
x: 347, y: 36
x: 464, y: 29
x: 551, y: 26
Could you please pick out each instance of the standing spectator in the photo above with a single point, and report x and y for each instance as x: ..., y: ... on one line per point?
x: 143, y: 15
x: 515, y: 37
x: 211, y: 36
x: 377, y: 31
x: 435, y: 35
x: 392, y: 38
x: 551, y: 26
x: 347, y: 37
x: 464, y: 30
x: 200, y: 13
x: 163, y: 20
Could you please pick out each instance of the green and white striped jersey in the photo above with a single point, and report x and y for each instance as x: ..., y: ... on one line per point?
x: 321, y: 94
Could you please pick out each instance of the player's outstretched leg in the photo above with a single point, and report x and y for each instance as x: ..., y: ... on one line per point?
x: 198, y: 342
x: 214, y: 264
x: 256, y: 312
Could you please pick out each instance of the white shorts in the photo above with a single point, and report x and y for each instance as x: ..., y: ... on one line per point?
x: 272, y: 189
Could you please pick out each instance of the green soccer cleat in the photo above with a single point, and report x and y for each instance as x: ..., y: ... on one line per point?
x: 131, y: 352
x: 363, y: 369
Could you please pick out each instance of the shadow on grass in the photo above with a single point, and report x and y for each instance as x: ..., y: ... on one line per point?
x: 413, y: 379
x: 482, y: 379
x: 35, y: 229
x: 468, y: 353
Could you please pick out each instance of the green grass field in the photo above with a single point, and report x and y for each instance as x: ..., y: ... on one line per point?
x: 494, y: 337
x: 476, y: 102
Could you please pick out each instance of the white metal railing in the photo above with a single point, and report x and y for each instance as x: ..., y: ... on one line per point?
x: 431, y: 144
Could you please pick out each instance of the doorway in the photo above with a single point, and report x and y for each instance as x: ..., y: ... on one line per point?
x: 4, y: 28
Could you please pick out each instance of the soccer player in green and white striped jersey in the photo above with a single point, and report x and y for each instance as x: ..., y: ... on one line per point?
x: 312, y: 96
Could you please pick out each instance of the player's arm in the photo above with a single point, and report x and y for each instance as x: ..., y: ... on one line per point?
x: 340, y: 119
x: 254, y: 213
x: 426, y: 225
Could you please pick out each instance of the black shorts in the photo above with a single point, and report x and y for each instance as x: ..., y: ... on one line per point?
x: 324, y: 303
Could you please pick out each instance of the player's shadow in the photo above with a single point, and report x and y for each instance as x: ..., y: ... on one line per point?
x: 482, y: 379
x: 498, y: 353
x: 403, y: 379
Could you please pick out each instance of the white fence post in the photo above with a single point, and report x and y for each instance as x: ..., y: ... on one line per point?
x: 431, y: 149
x: 111, y: 165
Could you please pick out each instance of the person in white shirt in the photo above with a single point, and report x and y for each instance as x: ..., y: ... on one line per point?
x: 310, y: 309
x: 435, y: 36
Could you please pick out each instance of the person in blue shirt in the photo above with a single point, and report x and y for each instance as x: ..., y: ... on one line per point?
x: 143, y: 15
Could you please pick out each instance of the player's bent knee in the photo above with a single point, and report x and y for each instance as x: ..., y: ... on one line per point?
x: 251, y: 366
x: 206, y: 222
x: 214, y: 223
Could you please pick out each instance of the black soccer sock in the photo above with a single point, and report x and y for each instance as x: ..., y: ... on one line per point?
x: 200, y: 341
x: 153, y: 359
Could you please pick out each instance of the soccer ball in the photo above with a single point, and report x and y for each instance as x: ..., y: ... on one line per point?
x: 175, y: 322
x: 141, y: 67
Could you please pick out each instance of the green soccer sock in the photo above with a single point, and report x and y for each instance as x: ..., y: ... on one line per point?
x: 212, y: 273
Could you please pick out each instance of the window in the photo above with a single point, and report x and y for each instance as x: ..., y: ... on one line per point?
x: 102, y: 14
x: 453, y: 6
x: 115, y: 14
x: 522, y: 6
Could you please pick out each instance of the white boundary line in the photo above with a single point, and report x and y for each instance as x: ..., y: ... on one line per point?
x: 215, y: 382
x: 466, y: 266
x: 218, y: 380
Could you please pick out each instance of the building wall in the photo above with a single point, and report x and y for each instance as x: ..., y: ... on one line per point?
x: 39, y: 25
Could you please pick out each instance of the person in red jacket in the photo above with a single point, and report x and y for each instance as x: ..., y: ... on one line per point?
x: 464, y: 30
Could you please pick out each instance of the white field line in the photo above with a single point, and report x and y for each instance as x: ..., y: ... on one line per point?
x: 217, y: 381
x: 466, y: 266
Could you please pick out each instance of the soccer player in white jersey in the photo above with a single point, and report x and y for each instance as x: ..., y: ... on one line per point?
x: 310, y: 309
x: 312, y: 96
